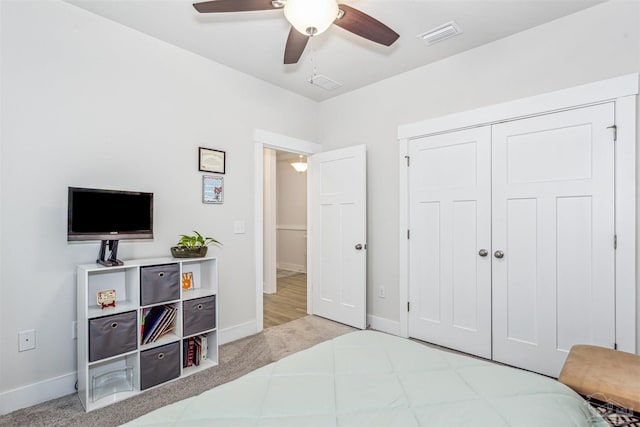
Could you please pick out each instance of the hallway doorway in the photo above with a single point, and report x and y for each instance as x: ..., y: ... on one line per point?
x: 285, y: 238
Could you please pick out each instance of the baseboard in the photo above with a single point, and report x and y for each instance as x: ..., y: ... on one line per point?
x: 236, y: 332
x: 383, y: 325
x: 32, y: 394
x: 291, y: 267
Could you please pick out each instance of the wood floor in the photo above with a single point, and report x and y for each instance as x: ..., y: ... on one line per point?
x: 289, y: 303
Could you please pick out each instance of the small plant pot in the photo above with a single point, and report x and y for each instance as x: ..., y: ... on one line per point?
x: 197, y: 252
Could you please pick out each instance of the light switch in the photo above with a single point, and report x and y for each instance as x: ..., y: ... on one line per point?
x: 238, y: 227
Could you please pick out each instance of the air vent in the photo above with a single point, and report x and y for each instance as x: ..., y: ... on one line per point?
x: 440, y: 33
x: 324, y: 82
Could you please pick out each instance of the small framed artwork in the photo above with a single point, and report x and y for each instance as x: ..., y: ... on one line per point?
x: 106, y: 298
x: 212, y: 189
x: 187, y: 280
x: 211, y: 160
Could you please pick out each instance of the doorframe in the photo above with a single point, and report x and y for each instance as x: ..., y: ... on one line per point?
x: 266, y: 139
x: 623, y: 92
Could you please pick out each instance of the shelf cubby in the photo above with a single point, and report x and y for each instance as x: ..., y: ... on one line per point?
x: 205, y: 278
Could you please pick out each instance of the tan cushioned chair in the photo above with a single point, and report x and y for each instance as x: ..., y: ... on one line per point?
x: 596, y: 371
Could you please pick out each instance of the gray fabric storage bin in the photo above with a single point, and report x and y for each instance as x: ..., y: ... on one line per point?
x: 159, y: 364
x: 198, y: 315
x: 111, y: 335
x: 159, y: 283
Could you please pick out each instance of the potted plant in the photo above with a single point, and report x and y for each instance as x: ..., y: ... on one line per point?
x: 192, y: 246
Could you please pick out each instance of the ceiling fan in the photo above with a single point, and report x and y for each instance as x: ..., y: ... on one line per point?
x: 309, y: 18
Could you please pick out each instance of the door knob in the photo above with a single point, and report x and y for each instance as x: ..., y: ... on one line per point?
x: 483, y: 252
x: 498, y: 254
x: 359, y: 247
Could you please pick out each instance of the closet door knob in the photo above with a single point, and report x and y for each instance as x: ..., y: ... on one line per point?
x: 498, y: 254
x: 483, y: 252
x: 359, y: 247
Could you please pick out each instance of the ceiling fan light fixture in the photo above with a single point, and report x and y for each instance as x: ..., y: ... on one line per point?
x: 311, y: 17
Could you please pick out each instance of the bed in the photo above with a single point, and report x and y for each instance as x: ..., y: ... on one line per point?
x: 368, y: 378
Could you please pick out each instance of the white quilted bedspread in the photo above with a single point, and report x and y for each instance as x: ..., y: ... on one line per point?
x: 368, y: 378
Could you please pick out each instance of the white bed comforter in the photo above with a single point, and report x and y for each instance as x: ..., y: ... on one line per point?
x: 369, y: 378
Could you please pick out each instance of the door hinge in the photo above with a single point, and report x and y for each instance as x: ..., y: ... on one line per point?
x: 408, y: 234
x: 408, y: 160
x: 408, y: 305
x: 615, y: 132
x: 615, y: 241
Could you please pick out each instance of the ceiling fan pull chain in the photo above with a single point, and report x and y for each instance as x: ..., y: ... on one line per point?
x: 314, y: 71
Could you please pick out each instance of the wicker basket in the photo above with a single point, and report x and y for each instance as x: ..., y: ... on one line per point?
x: 182, y: 252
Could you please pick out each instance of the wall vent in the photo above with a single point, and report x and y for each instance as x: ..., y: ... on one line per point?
x: 324, y: 82
x: 440, y: 33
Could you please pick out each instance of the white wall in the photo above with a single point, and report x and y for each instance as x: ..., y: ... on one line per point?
x: 87, y: 102
x: 291, y: 215
x: 595, y: 44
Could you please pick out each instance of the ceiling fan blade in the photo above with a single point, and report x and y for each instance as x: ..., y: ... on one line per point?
x: 296, y: 42
x: 363, y: 25
x: 215, y: 6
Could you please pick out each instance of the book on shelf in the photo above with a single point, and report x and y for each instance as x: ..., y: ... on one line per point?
x: 143, y: 316
x: 198, y: 351
x: 151, y: 316
x: 157, y: 322
x: 194, y: 350
x: 205, y: 346
x: 166, y: 324
x: 190, y: 351
x: 185, y: 349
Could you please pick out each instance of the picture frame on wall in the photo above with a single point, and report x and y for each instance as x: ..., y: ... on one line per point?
x: 212, y: 189
x: 210, y: 160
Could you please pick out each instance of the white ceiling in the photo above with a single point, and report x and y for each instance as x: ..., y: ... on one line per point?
x: 253, y: 42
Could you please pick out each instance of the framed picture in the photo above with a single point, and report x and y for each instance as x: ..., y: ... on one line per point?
x: 212, y: 189
x: 211, y: 160
x: 187, y: 280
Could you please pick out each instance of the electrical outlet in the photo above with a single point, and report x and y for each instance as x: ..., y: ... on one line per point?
x: 74, y: 329
x: 27, y: 340
x: 381, y: 292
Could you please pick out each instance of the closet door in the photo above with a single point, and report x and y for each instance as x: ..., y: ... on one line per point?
x: 553, y: 236
x: 450, y: 225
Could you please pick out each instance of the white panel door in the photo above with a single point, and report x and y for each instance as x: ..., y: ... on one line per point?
x: 450, y: 223
x: 338, y: 227
x: 553, y: 224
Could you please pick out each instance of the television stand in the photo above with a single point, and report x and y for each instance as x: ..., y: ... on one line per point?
x: 112, y: 261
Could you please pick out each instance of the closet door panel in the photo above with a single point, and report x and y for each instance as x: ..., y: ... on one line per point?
x: 464, y: 280
x: 574, y: 270
x: 426, y: 261
x: 553, y: 217
x: 450, y: 222
x: 522, y: 284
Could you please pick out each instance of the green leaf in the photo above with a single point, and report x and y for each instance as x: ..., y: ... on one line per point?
x: 196, y: 240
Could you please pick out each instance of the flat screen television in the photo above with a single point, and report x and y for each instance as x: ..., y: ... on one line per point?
x: 109, y: 216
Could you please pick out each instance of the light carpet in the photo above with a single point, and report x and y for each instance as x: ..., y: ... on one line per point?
x: 235, y: 359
